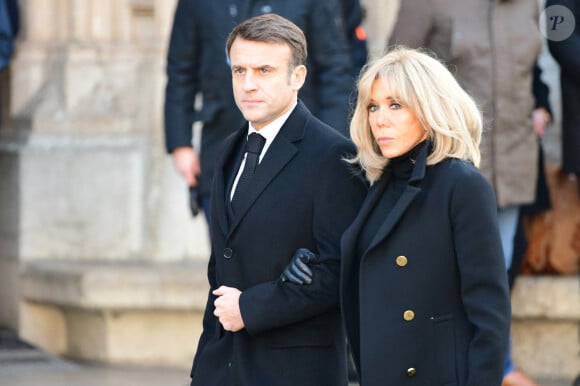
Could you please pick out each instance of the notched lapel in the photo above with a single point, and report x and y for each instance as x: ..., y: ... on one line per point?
x: 411, y: 190
x: 394, y: 216
x: 219, y: 194
x: 279, y: 154
x: 351, y: 235
x: 348, y: 240
x: 231, y: 151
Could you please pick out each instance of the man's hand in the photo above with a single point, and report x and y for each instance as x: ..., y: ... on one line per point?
x: 186, y: 162
x: 227, y: 308
x: 298, y: 271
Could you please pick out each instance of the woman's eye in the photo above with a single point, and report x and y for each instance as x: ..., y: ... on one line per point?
x: 373, y: 108
x: 395, y: 106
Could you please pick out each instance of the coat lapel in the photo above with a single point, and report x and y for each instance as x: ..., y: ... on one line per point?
x: 391, y: 219
x: 279, y: 154
x: 393, y: 216
x: 348, y: 241
x: 230, y: 152
x: 412, y: 189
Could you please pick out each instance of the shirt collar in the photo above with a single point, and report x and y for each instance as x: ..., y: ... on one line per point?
x: 271, y: 130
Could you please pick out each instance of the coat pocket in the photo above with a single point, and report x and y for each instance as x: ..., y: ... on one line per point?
x: 444, y: 349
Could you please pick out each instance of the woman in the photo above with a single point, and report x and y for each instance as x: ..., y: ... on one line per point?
x: 424, y: 291
x: 492, y: 47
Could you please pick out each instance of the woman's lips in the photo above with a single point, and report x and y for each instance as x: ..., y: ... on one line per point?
x: 384, y: 139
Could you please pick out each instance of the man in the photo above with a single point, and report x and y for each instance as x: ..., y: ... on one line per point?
x: 257, y: 329
x: 196, y: 65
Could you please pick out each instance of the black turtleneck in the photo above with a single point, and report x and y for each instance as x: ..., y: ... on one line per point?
x: 394, y: 179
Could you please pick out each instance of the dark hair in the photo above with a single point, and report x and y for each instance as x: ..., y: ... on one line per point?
x: 272, y: 28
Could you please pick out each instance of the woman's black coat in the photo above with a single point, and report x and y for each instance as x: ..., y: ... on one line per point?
x: 428, y: 302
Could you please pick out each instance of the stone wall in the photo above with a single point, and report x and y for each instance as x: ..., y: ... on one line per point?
x: 85, y: 175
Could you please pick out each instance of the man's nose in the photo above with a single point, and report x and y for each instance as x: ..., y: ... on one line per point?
x: 249, y: 81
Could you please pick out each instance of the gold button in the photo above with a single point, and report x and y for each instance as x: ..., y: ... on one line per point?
x: 408, y: 315
x: 401, y: 261
x: 411, y: 372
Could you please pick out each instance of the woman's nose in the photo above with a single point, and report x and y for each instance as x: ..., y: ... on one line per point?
x: 383, y: 117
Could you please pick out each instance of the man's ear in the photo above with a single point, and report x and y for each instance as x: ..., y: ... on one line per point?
x: 298, y: 77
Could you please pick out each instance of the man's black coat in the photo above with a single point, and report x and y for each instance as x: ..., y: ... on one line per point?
x: 303, y: 195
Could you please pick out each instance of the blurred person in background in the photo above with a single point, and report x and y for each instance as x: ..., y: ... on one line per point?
x: 541, y: 117
x: 356, y: 37
x: 567, y: 54
x: 9, y: 25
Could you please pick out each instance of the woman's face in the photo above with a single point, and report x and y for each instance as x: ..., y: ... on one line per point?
x: 395, y: 127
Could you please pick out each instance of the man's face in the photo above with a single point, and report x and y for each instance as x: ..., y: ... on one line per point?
x: 263, y: 87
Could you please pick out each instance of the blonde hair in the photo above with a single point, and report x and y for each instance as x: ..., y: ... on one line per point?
x: 421, y: 83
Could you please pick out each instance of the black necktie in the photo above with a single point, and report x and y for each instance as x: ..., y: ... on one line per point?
x: 254, y: 147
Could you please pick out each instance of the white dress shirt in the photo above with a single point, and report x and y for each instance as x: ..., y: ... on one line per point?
x: 270, y: 131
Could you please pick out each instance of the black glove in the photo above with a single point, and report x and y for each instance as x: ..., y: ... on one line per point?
x: 298, y: 271
x: 193, y: 201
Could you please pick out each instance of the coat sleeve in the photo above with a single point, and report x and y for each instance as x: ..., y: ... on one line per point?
x: 413, y: 24
x: 566, y: 51
x: 353, y: 15
x: 182, y: 82
x: 541, y: 90
x: 276, y: 304
x: 484, y: 286
x: 8, y: 30
x: 331, y: 64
